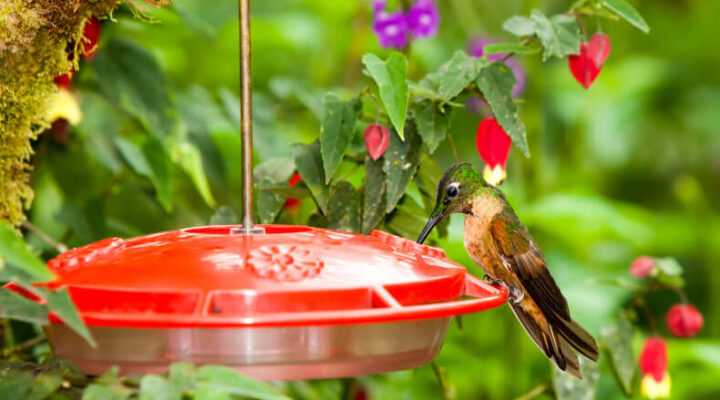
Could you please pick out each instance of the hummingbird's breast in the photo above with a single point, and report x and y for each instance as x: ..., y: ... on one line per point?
x: 477, y: 237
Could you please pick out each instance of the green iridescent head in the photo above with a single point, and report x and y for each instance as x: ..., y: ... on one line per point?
x: 455, y: 191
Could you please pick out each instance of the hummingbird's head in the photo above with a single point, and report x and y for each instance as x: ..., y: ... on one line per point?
x: 454, y: 194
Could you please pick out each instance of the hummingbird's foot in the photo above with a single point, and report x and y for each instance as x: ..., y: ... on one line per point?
x: 515, y: 295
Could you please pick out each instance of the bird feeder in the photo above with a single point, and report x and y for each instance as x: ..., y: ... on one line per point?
x: 276, y: 302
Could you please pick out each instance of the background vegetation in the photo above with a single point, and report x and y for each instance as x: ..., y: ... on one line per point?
x: 627, y: 168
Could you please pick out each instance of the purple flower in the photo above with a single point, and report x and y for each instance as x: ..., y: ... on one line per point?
x: 475, y: 48
x: 390, y: 28
x: 423, y: 18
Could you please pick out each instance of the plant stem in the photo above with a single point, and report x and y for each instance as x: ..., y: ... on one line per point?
x: 447, y: 390
x: 19, y: 348
x: 526, y: 41
x: 535, y: 392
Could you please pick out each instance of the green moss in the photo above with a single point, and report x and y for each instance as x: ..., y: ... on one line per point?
x: 33, y: 39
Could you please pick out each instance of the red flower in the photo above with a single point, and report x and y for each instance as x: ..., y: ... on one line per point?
x: 64, y: 80
x: 642, y: 267
x: 493, y: 145
x: 586, y: 65
x: 377, y: 138
x: 91, y: 37
x: 684, y: 320
x: 653, y: 358
x: 292, y: 204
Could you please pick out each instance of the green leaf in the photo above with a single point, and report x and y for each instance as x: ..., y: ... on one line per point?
x: 457, y: 73
x: 569, y: 388
x: 496, y: 82
x: 432, y: 124
x: 188, y: 157
x: 43, y: 386
x: 669, y: 272
x: 337, y: 130
x: 509, y: 47
x: 406, y: 221
x: 14, y: 250
x: 519, y: 26
x: 373, y: 196
x: 99, y: 392
x: 310, y: 166
x: 151, y: 161
x: 59, y: 302
x: 275, y: 172
x: 389, y: 75
x: 344, y: 208
x: 224, y: 215
x: 15, y: 384
x: 560, y: 35
x: 400, y: 162
x: 618, y: 342
x: 154, y: 387
x: 232, y: 382
x: 182, y: 377
x: 286, y: 191
x: 128, y: 75
x: 628, y: 12
x: 15, y: 306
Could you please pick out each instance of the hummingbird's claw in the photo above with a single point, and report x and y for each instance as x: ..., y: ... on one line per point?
x: 515, y: 295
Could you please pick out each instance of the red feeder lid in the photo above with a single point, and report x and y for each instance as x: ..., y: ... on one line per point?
x: 289, y: 276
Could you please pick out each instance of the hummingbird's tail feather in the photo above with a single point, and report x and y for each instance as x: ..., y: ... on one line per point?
x: 547, y: 339
x: 576, y: 336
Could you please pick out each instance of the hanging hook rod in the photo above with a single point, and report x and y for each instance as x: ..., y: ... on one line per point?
x: 246, y: 115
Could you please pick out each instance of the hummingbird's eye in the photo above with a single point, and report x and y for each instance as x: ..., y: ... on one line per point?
x: 451, y: 192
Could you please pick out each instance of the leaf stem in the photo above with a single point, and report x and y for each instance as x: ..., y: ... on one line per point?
x: 58, y: 246
x: 526, y: 41
x: 452, y: 146
x: 447, y: 390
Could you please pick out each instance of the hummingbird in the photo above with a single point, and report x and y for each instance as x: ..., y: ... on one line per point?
x: 502, y: 246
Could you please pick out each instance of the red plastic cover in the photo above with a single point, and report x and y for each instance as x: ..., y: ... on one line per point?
x: 291, y: 275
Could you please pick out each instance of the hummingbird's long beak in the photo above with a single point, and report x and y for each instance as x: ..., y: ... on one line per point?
x: 429, y: 227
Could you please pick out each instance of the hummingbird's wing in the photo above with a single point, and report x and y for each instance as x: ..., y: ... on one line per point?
x: 525, y: 259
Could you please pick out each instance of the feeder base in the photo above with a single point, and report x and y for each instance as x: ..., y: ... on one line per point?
x: 282, y: 353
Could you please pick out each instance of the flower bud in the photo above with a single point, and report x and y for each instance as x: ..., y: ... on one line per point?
x: 642, y: 267
x: 684, y: 321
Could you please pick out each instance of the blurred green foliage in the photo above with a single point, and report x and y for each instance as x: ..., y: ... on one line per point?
x: 629, y: 167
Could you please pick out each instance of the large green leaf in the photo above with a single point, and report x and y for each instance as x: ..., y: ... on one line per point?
x: 15, y: 252
x: 432, y: 124
x: 389, y: 75
x: 373, y: 195
x: 628, y: 12
x: 618, y: 342
x: 188, y: 157
x: 457, y: 73
x: 496, y: 82
x: 182, y: 377
x: 151, y: 161
x: 559, y: 35
x: 232, y: 382
x: 310, y: 166
x: 344, y: 208
x: 15, y: 384
x: 400, y: 163
x: 59, y: 302
x: 337, y: 130
x: 570, y: 388
x: 15, y: 306
x: 128, y: 75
